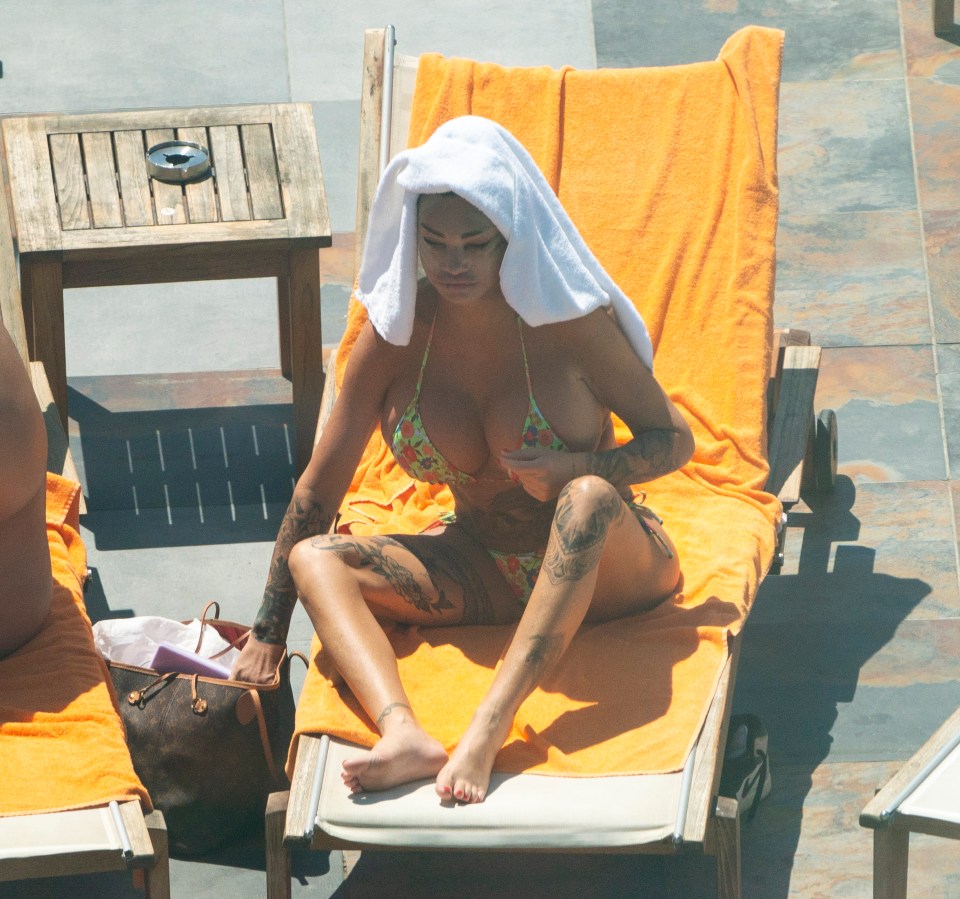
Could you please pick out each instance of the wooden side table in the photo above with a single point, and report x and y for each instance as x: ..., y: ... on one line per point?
x: 88, y: 214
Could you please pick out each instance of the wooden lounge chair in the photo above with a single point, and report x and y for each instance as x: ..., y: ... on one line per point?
x: 922, y: 797
x: 663, y: 813
x: 116, y: 835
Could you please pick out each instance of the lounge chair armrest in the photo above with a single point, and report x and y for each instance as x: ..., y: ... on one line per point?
x: 792, y: 421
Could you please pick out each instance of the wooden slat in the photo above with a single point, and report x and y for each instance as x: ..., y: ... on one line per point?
x: 707, y: 765
x: 792, y: 421
x: 68, y: 176
x: 102, y: 180
x: 157, y: 875
x: 726, y: 847
x: 132, y: 816
x: 134, y: 180
x: 298, y: 161
x: 306, y: 349
x: 42, y: 281
x: 230, y: 177
x: 31, y: 180
x: 94, y: 244
x: 298, y: 813
x: 11, y: 309
x: 891, y: 852
x: 160, y: 119
x: 261, y: 161
x: 187, y: 264
x: 371, y: 113
x: 201, y: 198
x: 167, y: 198
x: 277, y: 855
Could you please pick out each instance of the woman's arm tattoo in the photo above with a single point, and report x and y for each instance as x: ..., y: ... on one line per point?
x: 648, y: 456
x: 303, y: 518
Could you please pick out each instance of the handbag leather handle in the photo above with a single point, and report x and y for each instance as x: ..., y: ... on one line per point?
x: 264, y: 735
x: 139, y: 697
x: 203, y: 622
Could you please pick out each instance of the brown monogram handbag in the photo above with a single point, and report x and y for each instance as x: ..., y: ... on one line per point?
x: 208, y: 750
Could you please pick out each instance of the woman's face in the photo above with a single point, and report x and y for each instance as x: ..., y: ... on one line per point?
x: 460, y: 249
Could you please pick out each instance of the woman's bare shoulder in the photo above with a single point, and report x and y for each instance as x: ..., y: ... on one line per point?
x: 582, y: 338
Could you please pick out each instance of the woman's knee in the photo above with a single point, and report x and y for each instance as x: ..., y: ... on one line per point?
x: 312, y: 556
x: 588, y: 501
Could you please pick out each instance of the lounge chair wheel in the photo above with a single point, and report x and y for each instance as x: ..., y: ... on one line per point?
x: 825, y: 452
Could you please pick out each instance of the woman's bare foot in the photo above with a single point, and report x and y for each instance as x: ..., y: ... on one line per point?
x: 466, y: 776
x: 403, y: 754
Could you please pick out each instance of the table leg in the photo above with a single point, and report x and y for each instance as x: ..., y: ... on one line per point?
x: 891, y: 852
x: 942, y: 15
x: 283, y: 316
x: 306, y: 348
x: 41, y: 286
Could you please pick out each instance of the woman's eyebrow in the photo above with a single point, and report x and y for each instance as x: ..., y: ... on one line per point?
x: 465, y: 236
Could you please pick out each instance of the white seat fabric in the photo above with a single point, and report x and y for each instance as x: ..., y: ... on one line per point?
x: 521, y: 811
x: 83, y: 830
x: 938, y: 797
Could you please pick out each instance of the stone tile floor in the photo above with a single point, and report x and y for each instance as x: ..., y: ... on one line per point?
x: 850, y: 655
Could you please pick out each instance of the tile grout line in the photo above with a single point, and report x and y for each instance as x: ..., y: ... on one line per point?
x: 930, y: 317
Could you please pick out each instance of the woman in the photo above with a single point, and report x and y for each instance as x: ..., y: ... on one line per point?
x: 25, y: 582
x: 514, y: 418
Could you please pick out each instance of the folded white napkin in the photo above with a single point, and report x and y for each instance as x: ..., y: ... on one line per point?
x: 548, y: 272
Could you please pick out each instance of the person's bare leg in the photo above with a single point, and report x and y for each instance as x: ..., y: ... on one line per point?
x: 25, y: 581
x: 330, y: 574
x: 587, y: 510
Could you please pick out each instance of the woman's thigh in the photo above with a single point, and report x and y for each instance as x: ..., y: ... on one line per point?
x: 440, y: 577
x: 635, y: 572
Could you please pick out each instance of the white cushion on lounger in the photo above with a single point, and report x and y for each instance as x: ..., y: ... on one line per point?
x: 83, y: 830
x: 521, y: 811
x: 938, y: 797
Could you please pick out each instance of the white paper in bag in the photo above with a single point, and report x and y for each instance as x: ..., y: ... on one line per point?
x: 133, y: 641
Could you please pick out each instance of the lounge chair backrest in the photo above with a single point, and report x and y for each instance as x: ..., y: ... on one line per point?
x: 11, y: 310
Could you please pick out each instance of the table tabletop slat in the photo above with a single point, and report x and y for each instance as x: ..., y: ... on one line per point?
x: 31, y: 185
x: 134, y: 180
x: 68, y: 176
x: 298, y: 160
x: 166, y: 196
x: 201, y: 197
x: 262, y: 171
x: 231, y: 182
x: 101, y: 179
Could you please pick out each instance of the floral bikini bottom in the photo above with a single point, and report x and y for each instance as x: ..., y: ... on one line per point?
x: 520, y: 570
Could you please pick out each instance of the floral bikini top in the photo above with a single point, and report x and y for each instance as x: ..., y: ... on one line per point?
x: 418, y: 457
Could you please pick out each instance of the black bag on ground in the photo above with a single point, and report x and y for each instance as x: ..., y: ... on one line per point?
x: 208, y: 750
x: 746, y: 764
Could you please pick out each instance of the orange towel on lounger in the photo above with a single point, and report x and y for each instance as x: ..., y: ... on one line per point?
x: 62, y: 743
x: 670, y: 175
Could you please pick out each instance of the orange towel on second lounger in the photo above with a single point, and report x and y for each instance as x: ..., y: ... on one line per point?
x: 670, y: 175
x: 62, y: 743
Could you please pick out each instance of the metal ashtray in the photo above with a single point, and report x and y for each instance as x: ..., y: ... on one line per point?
x: 178, y: 161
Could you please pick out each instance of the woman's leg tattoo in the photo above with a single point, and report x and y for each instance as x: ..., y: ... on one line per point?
x: 576, y: 541
x: 370, y: 554
x: 477, y: 608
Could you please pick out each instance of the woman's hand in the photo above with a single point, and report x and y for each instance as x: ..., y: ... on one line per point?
x: 257, y: 662
x: 542, y: 473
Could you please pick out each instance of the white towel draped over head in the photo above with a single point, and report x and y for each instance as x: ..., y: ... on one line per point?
x: 548, y: 272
